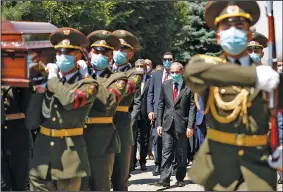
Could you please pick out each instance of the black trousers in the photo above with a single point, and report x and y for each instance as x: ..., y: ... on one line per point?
x: 157, y: 146
x: 143, y: 134
x: 173, y: 142
x: 15, y: 170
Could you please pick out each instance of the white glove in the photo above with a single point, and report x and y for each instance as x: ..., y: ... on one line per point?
x: 52, y: 70
x: 83, y: 69
x: 278, y: 164
x: 267, y: 78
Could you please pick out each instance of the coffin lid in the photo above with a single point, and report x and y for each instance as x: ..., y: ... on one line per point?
x: 24, y: 35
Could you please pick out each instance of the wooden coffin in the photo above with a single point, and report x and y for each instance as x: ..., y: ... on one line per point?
x: 20, y: 39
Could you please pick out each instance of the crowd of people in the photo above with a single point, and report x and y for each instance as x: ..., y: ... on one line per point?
x: 93, y: 124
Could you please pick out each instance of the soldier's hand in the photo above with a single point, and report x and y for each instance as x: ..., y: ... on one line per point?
x: 83, y: 68
x: 267, y: 78
x: 190, y: 132
x: 52, y: 70
x: 151, y: 116
x: 277, y: 154
x: 159, y: 131
x: 40, y: 88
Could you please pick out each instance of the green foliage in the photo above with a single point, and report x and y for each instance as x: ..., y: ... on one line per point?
x: 196, y: 37
x: 160, y: 26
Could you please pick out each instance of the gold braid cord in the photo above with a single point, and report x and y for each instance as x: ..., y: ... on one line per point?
x: 237, y: 105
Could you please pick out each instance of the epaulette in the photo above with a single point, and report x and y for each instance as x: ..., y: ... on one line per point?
x: 212, y: 59
x: 115, y: 77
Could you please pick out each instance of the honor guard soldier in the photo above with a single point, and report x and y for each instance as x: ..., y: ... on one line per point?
x: 122, y: 119
x: 101, y: 136
x: 256, y: 46
x: 60, y: 156
x: 16, y: 138
x: 235, y: 152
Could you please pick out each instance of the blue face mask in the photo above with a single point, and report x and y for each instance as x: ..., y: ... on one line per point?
x: 280, y: 69
x: 99, y: 62
x: 255, y: 57
x: 119, y: 57
x: 167, y: 64
x: 176, y: 77
x: 233, y: 41
x: 29, y: 59
x: 65, y: 62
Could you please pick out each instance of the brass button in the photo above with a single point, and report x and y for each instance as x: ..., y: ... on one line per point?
x: 53, y: 119
x: 222, y: 91
x: 5, y: 127
x: 85, y: 126
x: 241, y: 152
x: 6, y: 99
x: 52, y: 143
x: 55, y: 106
x: 5, y: 109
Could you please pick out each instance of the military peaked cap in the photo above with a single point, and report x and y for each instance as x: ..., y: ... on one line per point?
x: 103, y: 38
x: 258, y: 39
x: 216, y: 11
x: 128, y: 39
x: 67, y: 37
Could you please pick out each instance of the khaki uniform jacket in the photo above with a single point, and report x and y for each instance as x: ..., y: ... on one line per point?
x: 64, y: 106
x: 123, y: 120
x: 102, y: 139
x: 222, y: 165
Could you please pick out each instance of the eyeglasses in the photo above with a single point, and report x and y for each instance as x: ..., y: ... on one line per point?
x: 167, y: 59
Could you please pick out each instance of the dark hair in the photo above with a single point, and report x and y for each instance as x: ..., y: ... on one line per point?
x: 169, y: 53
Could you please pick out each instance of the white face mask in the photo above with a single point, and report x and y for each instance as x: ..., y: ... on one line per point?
x: 280, y: 69
x: 140, y: 69
x: 148, y: 69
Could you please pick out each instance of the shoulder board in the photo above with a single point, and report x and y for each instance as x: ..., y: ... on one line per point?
x: 212, y: 59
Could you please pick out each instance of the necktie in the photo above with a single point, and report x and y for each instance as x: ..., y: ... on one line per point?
x: 142, y: 85
x: 238, y: 62
x: 175, y: 92
x: 63, y: 79
x: 166, y: 76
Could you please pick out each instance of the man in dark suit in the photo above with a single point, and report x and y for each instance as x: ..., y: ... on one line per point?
x: 156, y: 81
x: 141, y: 128
x: 175, y: 120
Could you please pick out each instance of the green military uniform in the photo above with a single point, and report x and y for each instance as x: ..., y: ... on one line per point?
x: 234, y: 154
x: 16, y: 138
x: 258, y: 42
x: 60, y: 155
x: 122, y: 119
x: 100, y: 134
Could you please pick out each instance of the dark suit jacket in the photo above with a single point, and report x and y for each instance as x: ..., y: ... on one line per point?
x: 182, y: 113
x: 154, y: 92
x: 140, y: 102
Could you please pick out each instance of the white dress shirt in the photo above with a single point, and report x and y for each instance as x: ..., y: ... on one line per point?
x: 163, y: 75
x: 143, y: 82
x: 69, y: 76
x: 245, y: 60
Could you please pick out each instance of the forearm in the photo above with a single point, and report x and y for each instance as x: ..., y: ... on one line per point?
x: 200, y: 73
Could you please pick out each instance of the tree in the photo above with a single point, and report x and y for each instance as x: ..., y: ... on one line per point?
x: 195, y: 37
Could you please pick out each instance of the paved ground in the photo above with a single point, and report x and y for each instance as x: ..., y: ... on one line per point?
x: 142, y: 181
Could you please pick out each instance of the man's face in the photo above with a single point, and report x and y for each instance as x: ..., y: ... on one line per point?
x: 104, y: 51
x: 279, y: 67
x: 237, y: 23
x: 175, y: 69
x: 140, y: 66
x: 167, y: 58
x: 72, y: 52
x: 148, y: 66
x: 127, y: 50
x: 255, y: 49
